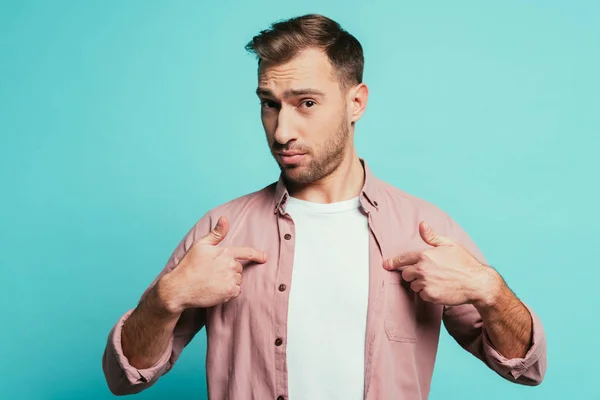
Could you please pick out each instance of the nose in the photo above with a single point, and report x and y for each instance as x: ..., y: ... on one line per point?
x: 284, y: 132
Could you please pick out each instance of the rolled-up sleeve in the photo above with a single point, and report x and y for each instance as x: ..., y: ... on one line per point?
x: 123, y: 378
x: 528, y: 370
x: 465, y: 325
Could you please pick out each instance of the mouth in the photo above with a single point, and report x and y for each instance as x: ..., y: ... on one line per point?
x: 291, y: 158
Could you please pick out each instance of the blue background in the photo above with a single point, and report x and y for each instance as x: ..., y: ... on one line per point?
x: 121, y: 123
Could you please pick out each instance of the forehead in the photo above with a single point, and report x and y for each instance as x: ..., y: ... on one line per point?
x: 310, y: 68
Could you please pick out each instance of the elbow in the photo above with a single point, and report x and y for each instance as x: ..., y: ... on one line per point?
x: 529, y: 381
x: 536, y: 373
x: 121, y: 386
x: 533, y: 375
x: 116, y: 388
x: 116, y: 379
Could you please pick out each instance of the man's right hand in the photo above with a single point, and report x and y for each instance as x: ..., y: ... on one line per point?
x: 208, y: 274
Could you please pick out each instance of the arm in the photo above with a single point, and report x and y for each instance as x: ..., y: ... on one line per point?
x: 120, y: 373
x: 147, y: 332
x: 507, y: 322
x: 498, y: 328
x: 146, y: 341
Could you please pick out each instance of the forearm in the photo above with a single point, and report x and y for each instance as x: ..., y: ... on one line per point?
x: 507, y: 322
x: 148, y: 330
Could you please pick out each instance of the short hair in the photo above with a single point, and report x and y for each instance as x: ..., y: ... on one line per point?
x: 285, y: 39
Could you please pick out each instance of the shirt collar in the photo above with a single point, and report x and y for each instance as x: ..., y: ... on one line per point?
x: 368, y: 194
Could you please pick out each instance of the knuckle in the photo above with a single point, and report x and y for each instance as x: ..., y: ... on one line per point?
x: 405, y: 274
x: 231, y: 289
x: 226, y: 252
x: 236, y: 291
x: 431, y: 295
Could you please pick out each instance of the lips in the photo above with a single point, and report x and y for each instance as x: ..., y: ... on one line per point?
x: 291, y: 158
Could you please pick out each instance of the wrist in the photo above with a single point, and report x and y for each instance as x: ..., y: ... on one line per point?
x: 166, y: 301
x: 490, y: 290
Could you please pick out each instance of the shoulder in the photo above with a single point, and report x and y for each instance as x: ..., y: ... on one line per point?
x: 250, y: 207
x: 401, y: 202
x: 409, y: 210
x: 254, y: 205
x: 259, y: 200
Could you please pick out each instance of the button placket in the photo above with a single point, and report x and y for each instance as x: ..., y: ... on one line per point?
x: 286, y: 243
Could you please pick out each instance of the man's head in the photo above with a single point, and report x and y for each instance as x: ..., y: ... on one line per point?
x: 311, y: 92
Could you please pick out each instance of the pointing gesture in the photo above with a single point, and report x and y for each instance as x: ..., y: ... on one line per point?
x: 208, y: 274
x: 216, y: 236
x: 445, y: 273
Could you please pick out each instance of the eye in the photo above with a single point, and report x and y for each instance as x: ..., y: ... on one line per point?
x: 268, y: 104
x: 308, y: 103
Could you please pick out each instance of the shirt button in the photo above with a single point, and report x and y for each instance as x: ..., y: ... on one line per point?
x: 282, y: 288
x: 287, y: 236
x: 278, y: 342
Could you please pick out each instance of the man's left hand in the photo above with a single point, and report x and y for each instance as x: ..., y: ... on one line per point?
x: 446, y: 273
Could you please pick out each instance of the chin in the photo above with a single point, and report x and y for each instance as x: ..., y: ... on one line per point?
x: 292, y: 172
x: 299, y: 175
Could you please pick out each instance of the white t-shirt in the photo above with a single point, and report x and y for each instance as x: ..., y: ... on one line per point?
x: 328, y: 300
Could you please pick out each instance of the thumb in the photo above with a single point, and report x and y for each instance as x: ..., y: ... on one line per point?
x: 430, y: 237
x: 218, y: 233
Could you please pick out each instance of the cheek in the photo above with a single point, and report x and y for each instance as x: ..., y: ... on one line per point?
x: 323, y: 125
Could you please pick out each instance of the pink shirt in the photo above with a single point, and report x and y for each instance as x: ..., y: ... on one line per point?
x: 246, y: 337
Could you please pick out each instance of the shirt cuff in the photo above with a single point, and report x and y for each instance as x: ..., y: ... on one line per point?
x: 135, y: 375
x: 517, y: 366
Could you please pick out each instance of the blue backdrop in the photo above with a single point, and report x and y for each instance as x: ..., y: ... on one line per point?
x: 111, y: 111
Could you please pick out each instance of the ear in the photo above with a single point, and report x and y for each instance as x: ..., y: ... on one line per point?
x: 358, y: 97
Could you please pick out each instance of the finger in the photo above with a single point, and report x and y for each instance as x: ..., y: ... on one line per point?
x: 403, y: 260
x: 409, y: 274
x: 238, y: 267
x: 430, y: 237
x: 417, y: 285
x: 233, y: 292
x: 218, y: 233
x: 248, y: 254
x: 238, y: 279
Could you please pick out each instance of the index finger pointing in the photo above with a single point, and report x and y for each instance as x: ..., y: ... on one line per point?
x: 248, y: 254
x: 403, y: 260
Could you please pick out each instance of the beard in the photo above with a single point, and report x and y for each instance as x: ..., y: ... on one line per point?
x: 324, y: 161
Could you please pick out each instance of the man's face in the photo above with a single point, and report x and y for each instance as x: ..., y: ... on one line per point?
x: 305, y: 116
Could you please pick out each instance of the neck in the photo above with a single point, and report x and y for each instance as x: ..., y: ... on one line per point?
x: 344, y: 183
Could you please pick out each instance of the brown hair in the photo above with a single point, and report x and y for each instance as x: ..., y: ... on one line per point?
x: 285, y: 39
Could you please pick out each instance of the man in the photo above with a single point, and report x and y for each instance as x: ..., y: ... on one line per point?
x: 328, y: 283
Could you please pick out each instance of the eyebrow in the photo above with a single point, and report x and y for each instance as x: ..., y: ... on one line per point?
x: 291, y: 92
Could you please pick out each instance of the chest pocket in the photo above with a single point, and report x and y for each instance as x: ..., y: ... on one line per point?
x: 400, y: 319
